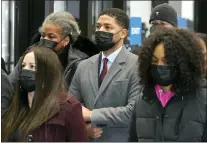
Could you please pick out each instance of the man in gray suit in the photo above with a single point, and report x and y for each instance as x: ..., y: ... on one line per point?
x: 107, y: 84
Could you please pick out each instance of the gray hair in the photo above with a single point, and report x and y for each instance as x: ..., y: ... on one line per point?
x: 66, y: 21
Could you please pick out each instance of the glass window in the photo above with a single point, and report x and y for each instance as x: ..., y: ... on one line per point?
x: 97, y: 7
x: 49, y: 7
x: 71, y: 6
x: 140, y: 9
x: 185, y: 9
x: 7, y: 45
x: 59, y: 6
x: 74, y: 8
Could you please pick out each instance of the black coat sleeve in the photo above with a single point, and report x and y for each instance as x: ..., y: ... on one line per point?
x: 205, y: 129
x: 6, y: 92
x: 132, y: 127
x: 3, y: 65
x: 14, y: 75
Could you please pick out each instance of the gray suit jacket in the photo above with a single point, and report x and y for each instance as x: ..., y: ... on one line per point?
x: 113, y: 101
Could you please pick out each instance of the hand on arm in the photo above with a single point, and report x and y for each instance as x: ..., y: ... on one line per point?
x: 93, y: 132
x: 86, y: 113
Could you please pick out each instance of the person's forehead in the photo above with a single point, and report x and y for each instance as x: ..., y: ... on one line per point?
x: 51, y: 28
x: 107, y: 20
x: 29, y: 57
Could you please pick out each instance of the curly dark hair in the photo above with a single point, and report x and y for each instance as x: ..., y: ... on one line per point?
x: 203, y: 37
x: 119, y: 14
x: 180, y: 50
x: 185, y: 34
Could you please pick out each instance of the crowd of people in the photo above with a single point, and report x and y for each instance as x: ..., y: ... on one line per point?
x: 67, y: 88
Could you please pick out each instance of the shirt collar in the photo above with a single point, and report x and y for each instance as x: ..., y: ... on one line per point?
x: 112, y: 56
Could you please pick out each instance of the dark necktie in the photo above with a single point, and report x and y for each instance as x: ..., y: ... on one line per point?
x: 105, y: 69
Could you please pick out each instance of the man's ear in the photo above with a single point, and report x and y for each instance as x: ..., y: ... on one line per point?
x: 124, y: 33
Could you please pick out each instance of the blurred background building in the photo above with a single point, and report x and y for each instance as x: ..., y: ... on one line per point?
x: 22, y: 18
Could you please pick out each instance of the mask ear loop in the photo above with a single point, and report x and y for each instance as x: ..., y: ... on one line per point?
x: 118, y: 32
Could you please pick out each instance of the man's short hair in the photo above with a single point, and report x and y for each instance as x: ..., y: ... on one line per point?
x: 120, y: 16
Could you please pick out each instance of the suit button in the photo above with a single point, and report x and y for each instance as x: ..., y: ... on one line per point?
x: 29, y: 138
x: 157, y: 117
x: 166, y: 116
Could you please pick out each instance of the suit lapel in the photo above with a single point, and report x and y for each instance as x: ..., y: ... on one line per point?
x: 113, y: 71
x: 93, y: 74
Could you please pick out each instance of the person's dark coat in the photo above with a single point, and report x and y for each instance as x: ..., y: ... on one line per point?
x: 3, y: 65
x: 70, y: 57
x: 182, y: 120
x: 6, y: 91
x: 67, y: 125
x: 204, y: 83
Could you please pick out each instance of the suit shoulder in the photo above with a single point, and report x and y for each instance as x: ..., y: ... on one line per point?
x: 132, y: 60
x: 133, y: 56
x: 86, y: 61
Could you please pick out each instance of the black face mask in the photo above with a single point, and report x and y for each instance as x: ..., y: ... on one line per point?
x: 164, y: 75
x: 27, y: 80
x: 104, y: 40
x: 49, y: 44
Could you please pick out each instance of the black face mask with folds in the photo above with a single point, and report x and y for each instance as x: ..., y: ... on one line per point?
x: 104, y: 40
x: 49, y: 44
x: 164, y: 75
x: 27, y: 80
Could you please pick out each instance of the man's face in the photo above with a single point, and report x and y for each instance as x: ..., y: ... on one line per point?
x: 162, y: 23
x: 109, y: 24
x: 157, y: 24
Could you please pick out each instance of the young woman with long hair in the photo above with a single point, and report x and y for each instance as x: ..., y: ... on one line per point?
x: 172, y: 107
x: 42, y: 110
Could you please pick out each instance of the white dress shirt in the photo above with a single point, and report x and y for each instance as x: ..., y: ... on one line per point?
x: 110, y: 58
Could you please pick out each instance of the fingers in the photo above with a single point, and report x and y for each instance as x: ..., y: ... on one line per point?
x: 97, y: 130
x: 97, y: 133
x: 97, y: 136
x: 94, y: 132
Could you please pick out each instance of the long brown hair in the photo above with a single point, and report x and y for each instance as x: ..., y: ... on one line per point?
x: 49, y: 84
